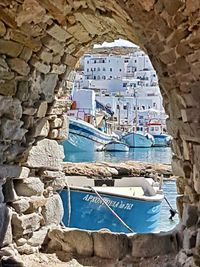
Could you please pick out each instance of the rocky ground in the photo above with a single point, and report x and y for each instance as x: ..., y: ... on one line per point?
x: 51, y: 260
x: 117, y: 170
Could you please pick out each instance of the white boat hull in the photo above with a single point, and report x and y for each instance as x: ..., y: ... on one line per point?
x: 116, y: 146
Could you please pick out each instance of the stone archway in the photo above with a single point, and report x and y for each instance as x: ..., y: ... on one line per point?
x: 39, y: 46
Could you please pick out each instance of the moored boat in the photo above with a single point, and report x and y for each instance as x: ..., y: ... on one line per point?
x: 83, y: 136
x: 131, y: 205
x: 116, y: 146
x: 138, y: 139
x: 156, y: 129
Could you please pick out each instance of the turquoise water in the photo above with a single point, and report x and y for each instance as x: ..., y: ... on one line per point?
x: 153, y: 155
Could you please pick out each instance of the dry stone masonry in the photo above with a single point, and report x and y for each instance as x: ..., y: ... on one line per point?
x: 40, y: 43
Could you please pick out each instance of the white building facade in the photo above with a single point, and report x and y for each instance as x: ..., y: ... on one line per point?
x: 127, y: 84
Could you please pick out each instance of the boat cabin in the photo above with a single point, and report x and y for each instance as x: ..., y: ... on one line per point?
x: 155, y: 128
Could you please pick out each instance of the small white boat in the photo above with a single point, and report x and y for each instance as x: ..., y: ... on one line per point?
x: 116, y: 146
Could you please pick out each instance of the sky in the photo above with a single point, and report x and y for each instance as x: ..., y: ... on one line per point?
x: 119, y: 42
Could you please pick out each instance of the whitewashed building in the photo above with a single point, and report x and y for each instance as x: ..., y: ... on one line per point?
x: 127, y: 84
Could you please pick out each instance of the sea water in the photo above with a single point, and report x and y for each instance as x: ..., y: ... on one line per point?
x: 153, y: 155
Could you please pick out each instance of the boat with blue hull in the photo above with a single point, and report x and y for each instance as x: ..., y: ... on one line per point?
x: 162, y: 140
x: 138, y: 139
x: 83, y: 136
x: 156, y: 129
x: 131, y: 205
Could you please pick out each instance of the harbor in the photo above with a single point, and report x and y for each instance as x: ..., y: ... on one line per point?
x: 117, y: 153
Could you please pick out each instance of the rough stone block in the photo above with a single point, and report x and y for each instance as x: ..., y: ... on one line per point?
x: 73, y: 241
x: 8, y: 88
x: 42, y: 128
x: 69, y: 60
x: 23, y: 91
x: 36, y: 202
x: 58, y: 33
x: 42, y: 109
x: 48, y: 85
x: 53, y: 210
x: 10, y: 48
x: 151, y: 245
x: 11, y: 107
x: 39, y: 237
x: 9, y: 191
x: 38, y: 155
x: 4, y: 221
x: 29, y: 111
x: 26, y: 54
x: 58, y: 69
x: 189, y: 239
x: 11, y: 130
x: 57, y: 123
x: 41, y: 67
x: 25, y: 224
x: 45, y: 56
x: 110, y: 246
x: 29, y: 186
x: 8, y: 238
x: 19, y: 66
x: 21, y: 205
x: 54, y: 45
x: 2, y: 29
x: 190, y: 215
x: 14, y: 171
x: 53, y: 134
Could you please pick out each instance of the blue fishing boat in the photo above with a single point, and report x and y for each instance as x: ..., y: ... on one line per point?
x: 83, y: 136
x: 138, y: 138
x: 129, y: 205
x: 156, y: 129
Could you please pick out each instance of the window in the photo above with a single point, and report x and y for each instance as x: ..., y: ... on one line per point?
x: 88, y: 70
x: 95, y: 61
x: 94, y: 69
x: 88, y: 62
x: 91, y: 69
x: 103, y: 77
x: 110, y: 69
x: 118, y: 106
x: 98, y: 69
x: 98, y: 77
x: 94, y: 77
x: 124, y: 84
x: 120, y: 70
x: 103, y: 61
x: 110, y: 77
x: 104, y: 69
x: 125, y: 107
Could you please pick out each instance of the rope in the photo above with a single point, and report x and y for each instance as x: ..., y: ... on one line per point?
x: 69, y: 204
x: 173, y: 212
x: 113, y: 212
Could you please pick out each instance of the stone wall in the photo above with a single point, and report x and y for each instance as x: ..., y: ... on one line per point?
x: 40, y: 43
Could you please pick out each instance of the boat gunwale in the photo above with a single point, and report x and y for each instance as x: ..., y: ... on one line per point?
x: 159, y: 198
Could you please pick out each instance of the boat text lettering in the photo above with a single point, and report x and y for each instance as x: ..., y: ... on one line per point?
x: 111, y: 203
